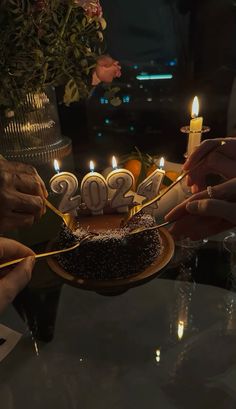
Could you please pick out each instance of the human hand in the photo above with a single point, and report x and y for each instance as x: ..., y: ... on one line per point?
x: 13, y: 280
x: 200, y: 216
x: 22, y: 194
x: 221, y: 161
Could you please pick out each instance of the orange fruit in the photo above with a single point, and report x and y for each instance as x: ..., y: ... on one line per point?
x: 151, y: 169
x: 134, y: 166
x: 172, y: 175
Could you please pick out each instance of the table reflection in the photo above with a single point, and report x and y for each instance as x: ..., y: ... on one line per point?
x: 126, y: 349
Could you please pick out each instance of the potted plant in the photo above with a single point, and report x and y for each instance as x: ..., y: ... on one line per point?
x: 45, y: 44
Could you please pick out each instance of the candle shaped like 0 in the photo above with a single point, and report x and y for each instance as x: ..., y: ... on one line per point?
x: 66, y: 184
x: 94, y: 191
x: 195, y: 131
x: 122, y: 181
x: 151, y: 185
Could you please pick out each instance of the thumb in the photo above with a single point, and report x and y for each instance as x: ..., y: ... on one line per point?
x: 15, y: 280
x: 213, y: 208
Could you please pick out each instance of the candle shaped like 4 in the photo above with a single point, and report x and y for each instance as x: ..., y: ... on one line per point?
x: 151, y: 185
x: 121, y: 181
x: 94, y: 191
x: 195, y: 131
x: 66, y: 184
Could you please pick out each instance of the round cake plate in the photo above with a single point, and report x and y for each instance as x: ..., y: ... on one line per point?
x: 118, y: 285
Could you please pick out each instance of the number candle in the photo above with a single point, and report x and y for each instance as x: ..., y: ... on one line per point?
x: 94, y: 191
x: 122, y: 181
x: 66, y: 184
x: 195, y: 132
x: 151, y: 185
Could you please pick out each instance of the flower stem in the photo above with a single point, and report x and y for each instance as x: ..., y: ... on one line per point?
x: 68, y: 13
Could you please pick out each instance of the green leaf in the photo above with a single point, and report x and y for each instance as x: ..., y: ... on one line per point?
x: 71, y: 93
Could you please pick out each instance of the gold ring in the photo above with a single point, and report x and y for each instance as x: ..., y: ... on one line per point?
x: 210, y: 192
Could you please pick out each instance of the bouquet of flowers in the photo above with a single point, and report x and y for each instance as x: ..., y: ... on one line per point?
x: 52, y: 43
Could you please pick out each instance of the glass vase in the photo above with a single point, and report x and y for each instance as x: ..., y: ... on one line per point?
x: 32, y: 133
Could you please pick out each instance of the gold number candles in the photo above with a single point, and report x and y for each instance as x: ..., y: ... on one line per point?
x: 66, y: 184
x: 94, y: 191
x: 121, y: 181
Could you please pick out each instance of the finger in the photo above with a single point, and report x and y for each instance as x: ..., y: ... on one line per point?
x: 31, y: 186
x: 213, y: 208
x: 177, y: 212
x: 221, y: 164
x: 16, y: 167
x: 203, y: 149
x: 15, y: 281
x: 228, y: 150
x: 11, y: 221
x: 11, y: 249
x: 197, y: 227
x: 22, y: 203
x: 224, y: 191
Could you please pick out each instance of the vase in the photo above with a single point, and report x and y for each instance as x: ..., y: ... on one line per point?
x: 31, y: 134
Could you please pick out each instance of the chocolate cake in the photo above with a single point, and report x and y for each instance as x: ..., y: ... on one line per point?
x: 113, y: 253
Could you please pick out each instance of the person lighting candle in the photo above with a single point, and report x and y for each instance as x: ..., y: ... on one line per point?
x: 213, y: 208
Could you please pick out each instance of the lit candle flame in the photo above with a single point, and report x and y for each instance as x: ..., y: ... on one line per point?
x: 91, y: 166
x: 114, y: 162
x: 195, y: 108
x: 56, y: 166
x: 162, y: 163
x: 180, y: 329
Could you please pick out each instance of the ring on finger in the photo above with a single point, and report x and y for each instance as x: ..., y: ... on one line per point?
x: 210, y: 192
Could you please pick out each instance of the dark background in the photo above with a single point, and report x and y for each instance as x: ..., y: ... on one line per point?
x: 192, y: 40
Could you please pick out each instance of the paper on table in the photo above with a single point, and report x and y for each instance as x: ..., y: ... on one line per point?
x: 12, y: 338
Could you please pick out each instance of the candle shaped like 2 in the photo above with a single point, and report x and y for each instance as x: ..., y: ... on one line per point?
x: 122, y: 181
x: 66, y: 184
x: 195, y: 132
x: 94, y: 191
x: 151, y: 185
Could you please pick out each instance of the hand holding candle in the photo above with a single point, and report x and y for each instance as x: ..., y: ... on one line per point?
x: 195, y: 133
x: 94, y: 191
x: 66, y: 184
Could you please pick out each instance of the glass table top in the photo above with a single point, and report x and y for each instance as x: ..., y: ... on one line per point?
x: 166, y: 343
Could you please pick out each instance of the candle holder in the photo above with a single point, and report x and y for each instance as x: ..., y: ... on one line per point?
x: 186, y: 130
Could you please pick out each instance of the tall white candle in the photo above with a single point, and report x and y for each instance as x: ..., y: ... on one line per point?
x: 150, y: 186
x: 94, y: 191
x: 66, y: 184
x: 121, y: 181
x: 195, y: 132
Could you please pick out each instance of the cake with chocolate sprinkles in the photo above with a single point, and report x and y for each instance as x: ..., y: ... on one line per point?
x: 113, y: 252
